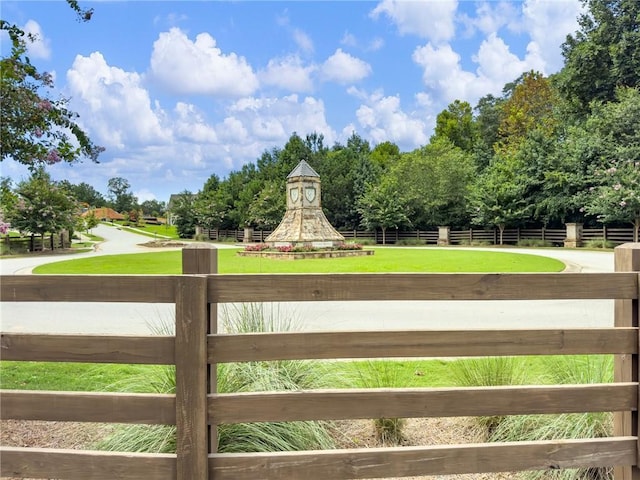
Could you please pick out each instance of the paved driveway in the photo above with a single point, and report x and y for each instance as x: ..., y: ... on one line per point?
x: 126, y: 318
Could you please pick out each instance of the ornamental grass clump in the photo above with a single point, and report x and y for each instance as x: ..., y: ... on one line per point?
x: 237, y: 377
x: 565, y: 370
x: 382, y: 374
x: 488, y: 372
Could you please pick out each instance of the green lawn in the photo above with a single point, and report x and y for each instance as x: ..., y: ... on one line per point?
x: 147, y: 229
x: 384, y: 260
x: 73, y: 376
x: 68, y: 376
x: 122, y: 378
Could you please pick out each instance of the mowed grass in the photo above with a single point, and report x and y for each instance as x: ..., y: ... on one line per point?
x: 115, y: 378
x: 70, y: 376
x: 384, y: 260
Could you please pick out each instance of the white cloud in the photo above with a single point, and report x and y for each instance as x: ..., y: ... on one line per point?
x: 349, y: 40
x: 288, y: 73
x: 190, y: 125
x: 275, y: 119
x: 548, y: 24
x: 232, y: 131
x: 144, y: 194
x: 344, y: 68
x: 39, y: 46
x: 492, y: 16
x: 303, y: 41
x: 375, y: 44
x: 199, y: 67
x: 114, y: 104
x: 498, y: 64
x: 433, y: 20
x: 382, y: 118
x: 443, y: 74
x: 445, y: 78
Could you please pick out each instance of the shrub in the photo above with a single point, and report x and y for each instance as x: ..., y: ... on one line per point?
x: 365, y: 241
x: 227, y: 239
x: 476, y: 243
x: 534, y: 242
x: 410, y: 242
x: 599, y: 243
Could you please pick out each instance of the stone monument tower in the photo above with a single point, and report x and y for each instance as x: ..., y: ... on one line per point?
x: 304, y: 222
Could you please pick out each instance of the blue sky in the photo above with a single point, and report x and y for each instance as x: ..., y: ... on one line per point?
x: 178, y: 90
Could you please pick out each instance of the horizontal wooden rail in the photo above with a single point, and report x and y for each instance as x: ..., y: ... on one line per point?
x: 422, y: 343
x: 414, y: 461
x: 421, y: 286
x: 88, y: 288
x: 323, y: 287
x: 421, y: 402
x: 35, y: 347
x: 88, y: 407
x: 80, y: 465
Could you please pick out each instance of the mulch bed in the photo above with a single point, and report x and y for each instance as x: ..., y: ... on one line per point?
x: 349, y: 434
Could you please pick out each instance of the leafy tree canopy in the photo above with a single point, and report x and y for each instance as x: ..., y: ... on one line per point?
x: 37, y: 129
x: 456, y: 124
x: 43, y: 206
x: 604, y: 53
x: 120, y: 195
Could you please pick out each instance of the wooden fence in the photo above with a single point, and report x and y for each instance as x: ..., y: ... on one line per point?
x: 511, y: 236
x: 196, y: 349
x: 33, y: 243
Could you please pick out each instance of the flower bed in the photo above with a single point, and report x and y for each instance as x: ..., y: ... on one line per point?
x: 296, y: 252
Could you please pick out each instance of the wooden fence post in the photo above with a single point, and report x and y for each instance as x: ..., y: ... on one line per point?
x: 202, y: 259
x: 193, y: 321
x: 626, y: 259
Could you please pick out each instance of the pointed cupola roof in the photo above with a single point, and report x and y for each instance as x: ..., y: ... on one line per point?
x: 303, y: 169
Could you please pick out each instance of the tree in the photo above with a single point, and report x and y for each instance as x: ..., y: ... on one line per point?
x: 383, y: 206
x: 90, y: 221
x: 604, y: 54
x: 385, y: 155
x: 456, y: 124
x: 553, y: 177
x: 153, y: 208
x: 488, y: 118
x: 345, y: 172
x: 184, y: 214
x: 613, y: 133
x: 84, y: 193
x: 36, y: 129
x: 499, y: 196
x: 120, y: 195
x: 530, y: 106
x: 211, y: 209
x: 8, y: 200
x: 42, y: 206
x: 435, y: 179
x: 268, y: 207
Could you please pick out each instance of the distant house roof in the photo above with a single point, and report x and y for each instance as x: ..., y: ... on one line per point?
x: 104, y: 212
x: 303, y: 170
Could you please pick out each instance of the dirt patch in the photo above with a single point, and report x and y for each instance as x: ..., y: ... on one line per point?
x: 417, y: 432
x: 349, y: 434
x: 71, y: 435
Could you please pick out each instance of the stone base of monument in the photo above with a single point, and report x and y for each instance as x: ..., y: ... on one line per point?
x: 302, y: 255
